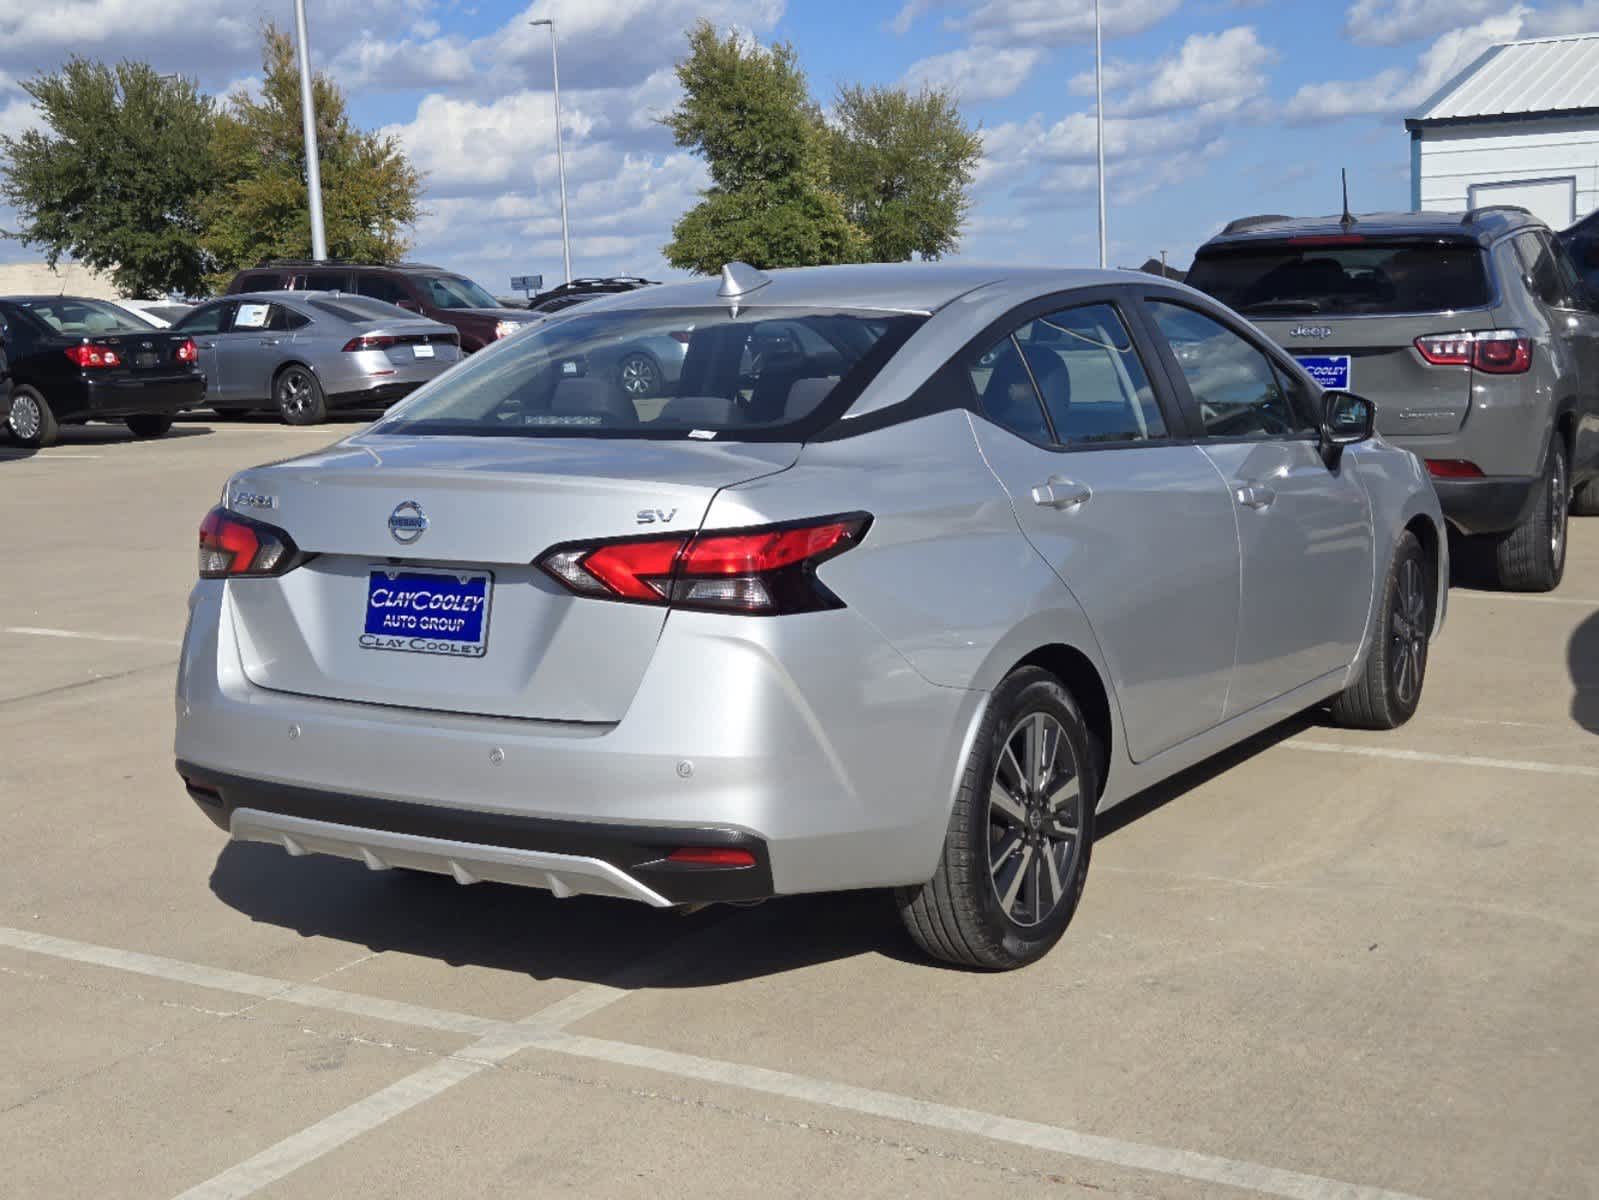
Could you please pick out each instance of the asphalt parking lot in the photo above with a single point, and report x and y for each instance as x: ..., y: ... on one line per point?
x: 1329, y: 965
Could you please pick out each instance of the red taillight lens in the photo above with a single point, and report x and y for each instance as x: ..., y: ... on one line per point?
x: 1496, y: 351
x: 711, y: 856
x: 1453, y: 468
x: 680, y: 336
x: 188, y: 352
x: 369, y: 342
x: 232, y: 546
x: 762, y: 572
x: 91, y: 357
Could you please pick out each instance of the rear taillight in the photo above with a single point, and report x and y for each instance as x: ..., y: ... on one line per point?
x: 711, y: 856
x: 90, y: 357
x: 378, y: 342
x: 1453, y: 468
x: 761, y: 572
x: 188, y: 352
x: 681, y: 336
x: 233, y: 547
x: 1495, y: 351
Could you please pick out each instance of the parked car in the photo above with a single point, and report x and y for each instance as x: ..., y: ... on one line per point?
x: 990, y: 551
x: 576, y: 291
x: 306, y: 352
x: 5, y: 381
x: 1470, y: 332
x: 431, y: 292
x: 74, y: 360
x: 1581, y: 243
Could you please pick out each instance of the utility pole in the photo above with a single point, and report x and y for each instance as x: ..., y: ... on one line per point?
x: 1099, y: 121
x: 313, y: 169
x: 560, y: 154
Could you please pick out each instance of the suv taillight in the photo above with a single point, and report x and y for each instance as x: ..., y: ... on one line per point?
x: 1494, y: 351
x: 90, y: 357
x: 234, y: 547
x: 760, y: 572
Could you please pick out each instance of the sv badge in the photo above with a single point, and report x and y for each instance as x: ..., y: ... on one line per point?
x: 655, y: 516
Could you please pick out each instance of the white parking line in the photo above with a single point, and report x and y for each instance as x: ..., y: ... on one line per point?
x: 1520, y: 598
x: 77, y: 635
x: 1447, y: 760
x: 500, y: 1039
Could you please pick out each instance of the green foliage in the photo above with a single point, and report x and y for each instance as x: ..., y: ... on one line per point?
x: 118, y: 177
x: 902, y: 162
x: 747, y: 112
x: 258, y: 210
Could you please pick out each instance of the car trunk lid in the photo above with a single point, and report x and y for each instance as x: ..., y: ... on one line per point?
x: 473, y: 514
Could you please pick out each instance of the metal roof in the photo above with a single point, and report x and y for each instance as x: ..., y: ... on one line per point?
x: 1543, y: 76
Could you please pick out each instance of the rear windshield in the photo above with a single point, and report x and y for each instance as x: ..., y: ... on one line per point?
x: 85, y: 316
x: 767, y: 375
x: 358, y: 309
x: 1400, y: 276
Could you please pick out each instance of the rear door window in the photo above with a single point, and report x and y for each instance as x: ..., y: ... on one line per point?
x: 1548, y: 276
x: 208, y: 318
x: 380, y: 287
x: 1344, y: 276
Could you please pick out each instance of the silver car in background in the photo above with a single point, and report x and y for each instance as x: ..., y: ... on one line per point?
x: 915, y: 570
x: 304, y: 353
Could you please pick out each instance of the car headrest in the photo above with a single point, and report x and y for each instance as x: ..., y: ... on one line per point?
x: 592, y: 398
x: 806, y: 394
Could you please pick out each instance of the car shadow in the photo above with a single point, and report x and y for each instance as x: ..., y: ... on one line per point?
x: 89, y: 436
x: 1582, y: 662
x: 531, y: 932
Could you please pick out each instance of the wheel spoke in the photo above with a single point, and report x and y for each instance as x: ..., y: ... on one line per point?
x: 1043, y: 898
x: 1007, y: 848
x: 1007, y: 757
x: 1065, y: 792
x: 1013, y: 888
x: 1054, y: 873
x: 1004, y: 805
x: 1031, y: 750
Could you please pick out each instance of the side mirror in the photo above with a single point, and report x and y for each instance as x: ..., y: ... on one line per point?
x: 1345, y: 419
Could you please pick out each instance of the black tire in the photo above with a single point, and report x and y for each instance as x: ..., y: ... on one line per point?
x: 298, y: 395
x: 149, y: 425
x: 638, y: 375
x: 1532, y: 556
x: 31, y: 422
x: 1388, y: 689
x: 1585, y: 503
x: 960, y: 915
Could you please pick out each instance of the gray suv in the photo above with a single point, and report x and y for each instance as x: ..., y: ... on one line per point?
x: 1474, y: 336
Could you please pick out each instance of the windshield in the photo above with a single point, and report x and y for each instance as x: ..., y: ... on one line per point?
x: 455, y: 291
x: 1334, y: 277
x: 85, y: 316
x: 681, y: 372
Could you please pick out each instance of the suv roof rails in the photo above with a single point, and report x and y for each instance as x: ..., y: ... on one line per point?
x: 1255, y: 222
x: 1476, y: 214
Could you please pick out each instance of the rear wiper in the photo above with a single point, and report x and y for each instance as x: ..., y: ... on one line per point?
x: 1303, y: 306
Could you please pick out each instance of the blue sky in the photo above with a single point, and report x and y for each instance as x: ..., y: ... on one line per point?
x: 1215, y: 108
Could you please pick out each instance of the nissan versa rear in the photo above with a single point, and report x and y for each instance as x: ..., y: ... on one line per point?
x: 910, y: 572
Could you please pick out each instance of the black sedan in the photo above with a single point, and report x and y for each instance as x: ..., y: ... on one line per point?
x: 74, y: 360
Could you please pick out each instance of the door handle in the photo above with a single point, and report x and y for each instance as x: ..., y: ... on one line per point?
x: 271, y: 341
x: 206, y: 345
x: 1254, y: 495
x: 1060, y: 493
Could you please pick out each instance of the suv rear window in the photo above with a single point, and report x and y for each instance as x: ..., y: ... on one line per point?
x: 775, y: 375
x: 1333, y: 276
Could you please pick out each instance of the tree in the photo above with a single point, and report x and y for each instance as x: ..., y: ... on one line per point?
x: 119, y: 178
x: 746, y: 111
x: 259, y: 209
x: 902, y: 162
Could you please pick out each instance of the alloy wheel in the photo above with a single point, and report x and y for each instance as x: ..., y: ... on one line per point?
x: 25, y: 417
x: 639, y: 376
x: 1035, y: 819
x: 294, y: 393
x: 1559, y: 503
x: 1407, y: 656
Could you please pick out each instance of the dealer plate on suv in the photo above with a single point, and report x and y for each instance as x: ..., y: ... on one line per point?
x: 428, y: 612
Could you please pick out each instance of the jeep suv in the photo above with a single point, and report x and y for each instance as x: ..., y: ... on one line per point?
x: 431, y: 291
x: 1473, y: 334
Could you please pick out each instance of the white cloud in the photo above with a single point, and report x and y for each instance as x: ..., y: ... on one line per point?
x: 1059, y: 22
x: 1220, y: 69
x: 976, y: 73
x: 1397, y: 89
x: 1386, y: 22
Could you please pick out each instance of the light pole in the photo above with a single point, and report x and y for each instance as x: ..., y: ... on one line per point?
x: 560, y: 155
x: 1099, y: 121
x: 313, y: 169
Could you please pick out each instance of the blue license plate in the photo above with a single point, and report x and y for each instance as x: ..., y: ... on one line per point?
x: 427, y: 612
x: 1329, y: 370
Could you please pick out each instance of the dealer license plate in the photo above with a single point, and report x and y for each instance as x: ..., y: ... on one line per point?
x: 428, y: 612
x: 422, y: 349
x: 1329, y: 370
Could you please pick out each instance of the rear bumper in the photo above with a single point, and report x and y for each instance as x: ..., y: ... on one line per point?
x: 567, y: 857
x: 1496, y: 504
x: 382, y: 394
x: 89, y: 399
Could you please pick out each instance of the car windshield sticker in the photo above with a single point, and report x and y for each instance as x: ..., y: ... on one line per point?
x: 251, y: 316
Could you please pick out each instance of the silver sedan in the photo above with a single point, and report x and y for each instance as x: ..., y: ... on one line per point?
x: 306, y: 352
x: 914, y: 572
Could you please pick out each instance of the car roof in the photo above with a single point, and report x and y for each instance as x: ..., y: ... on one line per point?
x: 46, y: 297
x: 1483, y: 225
x: 888, y: 287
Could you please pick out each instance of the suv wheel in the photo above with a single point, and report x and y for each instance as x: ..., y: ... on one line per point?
x: 1532, y: 557
x: 1020, y: 833
x: 1388, y: 689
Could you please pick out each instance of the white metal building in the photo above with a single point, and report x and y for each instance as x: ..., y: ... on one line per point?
x: 1520, y: 125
